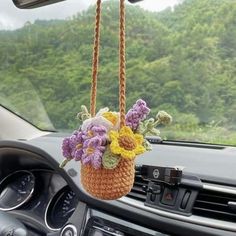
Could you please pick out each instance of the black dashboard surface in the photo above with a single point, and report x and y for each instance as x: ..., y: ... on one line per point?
x: 212, y: 164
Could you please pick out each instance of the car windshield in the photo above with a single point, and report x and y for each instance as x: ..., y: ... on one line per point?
x: 180, y: 58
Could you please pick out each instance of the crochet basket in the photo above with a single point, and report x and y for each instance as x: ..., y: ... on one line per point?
x: 108, y: 184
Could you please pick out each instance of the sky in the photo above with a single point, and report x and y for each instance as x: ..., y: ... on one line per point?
x: 13, y: 18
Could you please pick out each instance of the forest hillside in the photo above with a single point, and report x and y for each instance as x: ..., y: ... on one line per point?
x: 182, y: 60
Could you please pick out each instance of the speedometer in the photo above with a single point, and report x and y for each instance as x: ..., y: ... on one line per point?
x: 60, y: 208
x: 16, y: 189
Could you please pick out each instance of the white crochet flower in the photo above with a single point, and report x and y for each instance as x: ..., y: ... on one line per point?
x: 100, y: 119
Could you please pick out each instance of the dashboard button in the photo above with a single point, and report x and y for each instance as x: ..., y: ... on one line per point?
x: 69, y: 230
x: 169, y: 196
x: 185, y: 200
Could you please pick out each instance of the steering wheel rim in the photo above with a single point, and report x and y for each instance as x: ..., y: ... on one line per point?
x: 9, y: 225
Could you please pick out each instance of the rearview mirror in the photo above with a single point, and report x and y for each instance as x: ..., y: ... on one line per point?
x: 26, y: 4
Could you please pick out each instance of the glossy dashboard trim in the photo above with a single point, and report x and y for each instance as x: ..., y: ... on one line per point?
x: 45, y: 216
x: 218, y: 224
x: 218, y: 188
x: 27, y: 198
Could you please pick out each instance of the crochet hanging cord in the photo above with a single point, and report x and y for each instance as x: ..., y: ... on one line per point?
x: 108, y: 142
x: 109, y: 183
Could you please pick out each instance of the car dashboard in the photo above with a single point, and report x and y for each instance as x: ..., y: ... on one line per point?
x: 47, y: 198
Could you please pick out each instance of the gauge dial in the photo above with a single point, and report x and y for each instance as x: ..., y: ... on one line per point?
x: 16, y: 189
x: 60, y: 208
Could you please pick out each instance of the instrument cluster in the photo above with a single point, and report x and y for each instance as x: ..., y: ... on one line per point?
x: 42, y: 193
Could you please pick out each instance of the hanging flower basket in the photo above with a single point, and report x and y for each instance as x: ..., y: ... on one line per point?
x: 108, y: 142
x: 107, y: 152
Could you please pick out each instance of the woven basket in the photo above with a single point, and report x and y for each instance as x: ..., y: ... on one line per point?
x: 109, y: 184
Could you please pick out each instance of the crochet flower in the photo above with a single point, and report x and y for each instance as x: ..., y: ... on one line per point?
x: 113, y: 117
x: 84, y: 114
x: 136, y: 114
x: 93, y: 152
x: 126, y: 143
x: 72, y: 147
x: 96, y: 121
x: 164, y: 118
x: 66, y: 150
x: 76, y: 143
x: 95, y: 130
x: 110, y: 120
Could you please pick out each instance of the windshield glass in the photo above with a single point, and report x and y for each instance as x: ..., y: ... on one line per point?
x: 180, y: 58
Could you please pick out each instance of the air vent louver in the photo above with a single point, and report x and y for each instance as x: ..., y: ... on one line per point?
x: 137, y: 191
x: 215, y: 205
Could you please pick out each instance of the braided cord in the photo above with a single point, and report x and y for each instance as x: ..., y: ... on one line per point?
x: 122, y: 68
x: 122, y: 75
x: 93, y: 95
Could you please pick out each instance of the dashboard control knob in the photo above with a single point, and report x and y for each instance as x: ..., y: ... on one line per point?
x: 185, y: 200
x: 69, y: 230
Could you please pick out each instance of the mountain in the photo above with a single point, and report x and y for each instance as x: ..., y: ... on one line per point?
x: 182, y: 60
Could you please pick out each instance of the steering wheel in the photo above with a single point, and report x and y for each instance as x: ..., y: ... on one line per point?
x: 9, y: 226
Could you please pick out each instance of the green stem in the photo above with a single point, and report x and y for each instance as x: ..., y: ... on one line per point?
x: 145, y: 132
x: 157, y: 122
x: 64, y: 162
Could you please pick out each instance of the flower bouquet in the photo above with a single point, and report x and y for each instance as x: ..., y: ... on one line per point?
x: 107, y: 151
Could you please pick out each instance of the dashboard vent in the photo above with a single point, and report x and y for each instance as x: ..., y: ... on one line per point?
x: 138, y: 192
x: 217, y: 205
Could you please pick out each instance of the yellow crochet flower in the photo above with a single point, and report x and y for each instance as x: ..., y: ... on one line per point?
x: 126, y: 143
x: 111, y: 116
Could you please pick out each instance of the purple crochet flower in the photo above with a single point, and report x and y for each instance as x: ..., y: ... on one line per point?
x: 77, y: 145
x: 86, y: 146
x: 93, y: 152
x: 136, y: 114
x: 72, y: 147
x: 98, y: 130
x: 95, y: 130
x: 66, y: 150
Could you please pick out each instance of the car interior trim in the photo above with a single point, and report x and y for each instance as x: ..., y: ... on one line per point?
x: 71, y: 230
x: 45, y: 217
x: 217, y: 188
x: 26, y: 199
x: 218, y: 224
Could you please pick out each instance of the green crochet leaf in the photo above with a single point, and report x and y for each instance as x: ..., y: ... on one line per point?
x: 110, y: 160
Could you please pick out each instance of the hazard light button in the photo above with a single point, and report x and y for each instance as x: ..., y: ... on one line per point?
x: 169, y: 196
